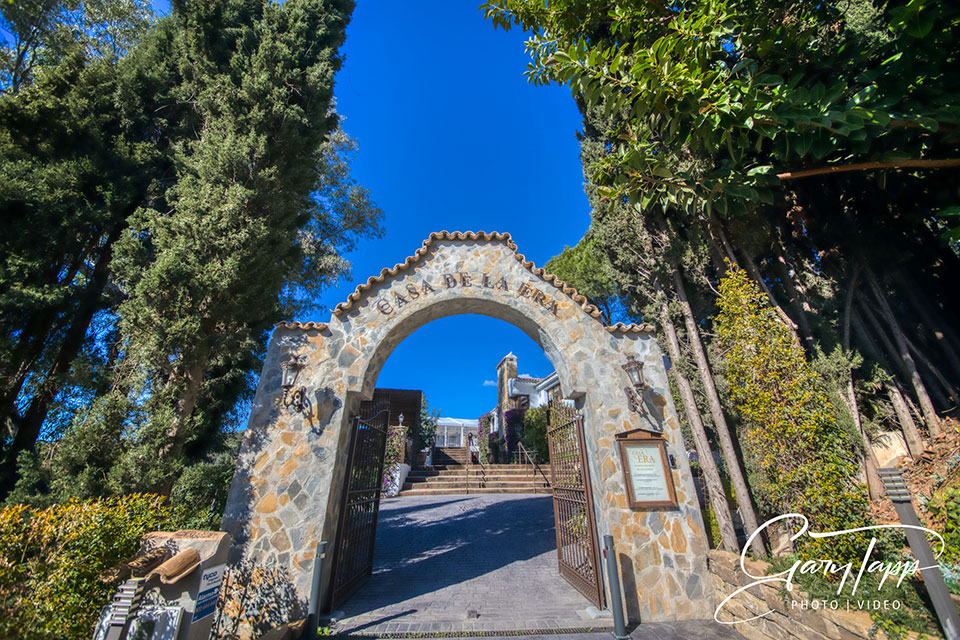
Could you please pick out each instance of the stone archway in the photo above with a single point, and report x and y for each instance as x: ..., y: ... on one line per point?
x: 291, y: 469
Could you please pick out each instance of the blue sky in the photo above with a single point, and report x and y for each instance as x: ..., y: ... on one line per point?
x: 453, y: 137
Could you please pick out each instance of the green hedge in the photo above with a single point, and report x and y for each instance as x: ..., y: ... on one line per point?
x: 51, y: 560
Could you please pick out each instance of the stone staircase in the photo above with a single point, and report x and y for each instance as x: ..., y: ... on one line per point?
x: 450, y: 475
x: 449, y: 456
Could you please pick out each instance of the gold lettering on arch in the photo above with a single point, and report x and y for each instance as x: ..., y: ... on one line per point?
x: 408, y: 293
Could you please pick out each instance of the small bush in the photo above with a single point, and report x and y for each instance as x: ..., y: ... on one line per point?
x: 483, y: 439
x: 514, y: 425
x: 534, y: 436
x: 393, y: 456
x: 51, y: 560
x: 915, y: 612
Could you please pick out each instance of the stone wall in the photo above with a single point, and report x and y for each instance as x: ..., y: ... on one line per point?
x: 285, y: 493
x: 785, y: 622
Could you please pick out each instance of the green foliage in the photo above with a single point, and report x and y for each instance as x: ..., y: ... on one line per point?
x: 483, y: 438
x: 806, y: 458
x: 534, y: 433
x: 203, y: 487
x: 393, y: 455
x: 723, y: 96
x: 166, y: 196
x: 38, y: 34
x: 585, y: 268
x: 944, y: 509
x: 426, y: 429
x: 914, y: 613
x: 254, y: 192
x: 51, y: 560
x: 712, y: 526
x: 577, y: 524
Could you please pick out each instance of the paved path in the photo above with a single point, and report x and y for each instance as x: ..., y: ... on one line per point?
x: 683, y: 630
x: 438, y: 556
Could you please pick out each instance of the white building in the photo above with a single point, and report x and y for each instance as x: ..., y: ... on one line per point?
x: 456, y: 432
x: 519, y: 391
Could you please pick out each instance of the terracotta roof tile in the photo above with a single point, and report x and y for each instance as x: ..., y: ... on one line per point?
x: 301, y: 325
x: 472, y: 236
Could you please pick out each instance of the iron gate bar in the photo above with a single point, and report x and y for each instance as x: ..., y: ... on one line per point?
x: 578, y: 553
x: 360, y: 504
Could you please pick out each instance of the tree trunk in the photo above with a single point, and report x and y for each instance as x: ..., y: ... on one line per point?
x: 52, y: 383
x: 796, y: 300
x: 910, y: 367
x: 891, y: 349
x: 717, y: 227
x: 32, y: 341
x: 711, y: 474
x: 942, y: 333
x: 911, y: 434
x: 719, y: 420
x: 914, y: 410
x: 33, y: 338
x: 186, y: 401
x: 757, y: 277
x: 716, y: 255
x: 948, y: 388
x: 869, y: 460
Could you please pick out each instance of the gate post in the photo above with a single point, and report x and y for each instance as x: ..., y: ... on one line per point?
x: 613, y: 580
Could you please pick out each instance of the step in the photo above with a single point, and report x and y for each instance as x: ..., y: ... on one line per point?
x: 453, y: 472
x: 460, y: 473
x: 473, y: 479
x: 461, y: 491
x: 485, y: 485
x: 479, y: 485
x: 510, y: 468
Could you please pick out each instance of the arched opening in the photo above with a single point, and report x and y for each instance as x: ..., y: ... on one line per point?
x: 479, y: 306
x: 470, y: 535
x: 294, y: 485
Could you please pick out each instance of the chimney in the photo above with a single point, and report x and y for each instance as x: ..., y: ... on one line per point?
x: 506, y: 371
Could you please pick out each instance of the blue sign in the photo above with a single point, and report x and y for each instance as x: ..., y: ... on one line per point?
x: 209, y: 592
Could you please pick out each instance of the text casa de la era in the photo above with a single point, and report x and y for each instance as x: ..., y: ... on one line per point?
x: 411, y: 292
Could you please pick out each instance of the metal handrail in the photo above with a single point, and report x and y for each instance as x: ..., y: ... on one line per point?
x: 533, y: 463
x: 482, y: 478
x: 466, y: 472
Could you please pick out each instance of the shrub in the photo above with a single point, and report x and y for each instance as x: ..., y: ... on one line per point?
x: 534, y: 434
x: 396, y: 442
x: 51, y: 560
x: 483, y: 439
x: 944, y: 509
x: 202, y: 490
x: 514, y: 425
x: 913, y: 615
x: 806, y: 460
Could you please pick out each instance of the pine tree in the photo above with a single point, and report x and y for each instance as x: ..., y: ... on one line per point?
x: 237, y: 208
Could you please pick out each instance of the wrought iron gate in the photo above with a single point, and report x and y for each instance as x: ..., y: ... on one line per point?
x: 360, y: 505
x: 577, y: 549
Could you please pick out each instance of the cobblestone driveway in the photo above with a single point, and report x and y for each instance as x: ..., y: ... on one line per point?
x: 437, y: 556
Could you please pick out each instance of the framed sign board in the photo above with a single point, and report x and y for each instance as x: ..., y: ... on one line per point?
x: 646, y: 470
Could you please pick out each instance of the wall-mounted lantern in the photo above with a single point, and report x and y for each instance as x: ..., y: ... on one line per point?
x: 292, y: 397
x: 634, y: 369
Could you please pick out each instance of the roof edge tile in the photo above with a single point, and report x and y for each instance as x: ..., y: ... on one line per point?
x: 497, y: 236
